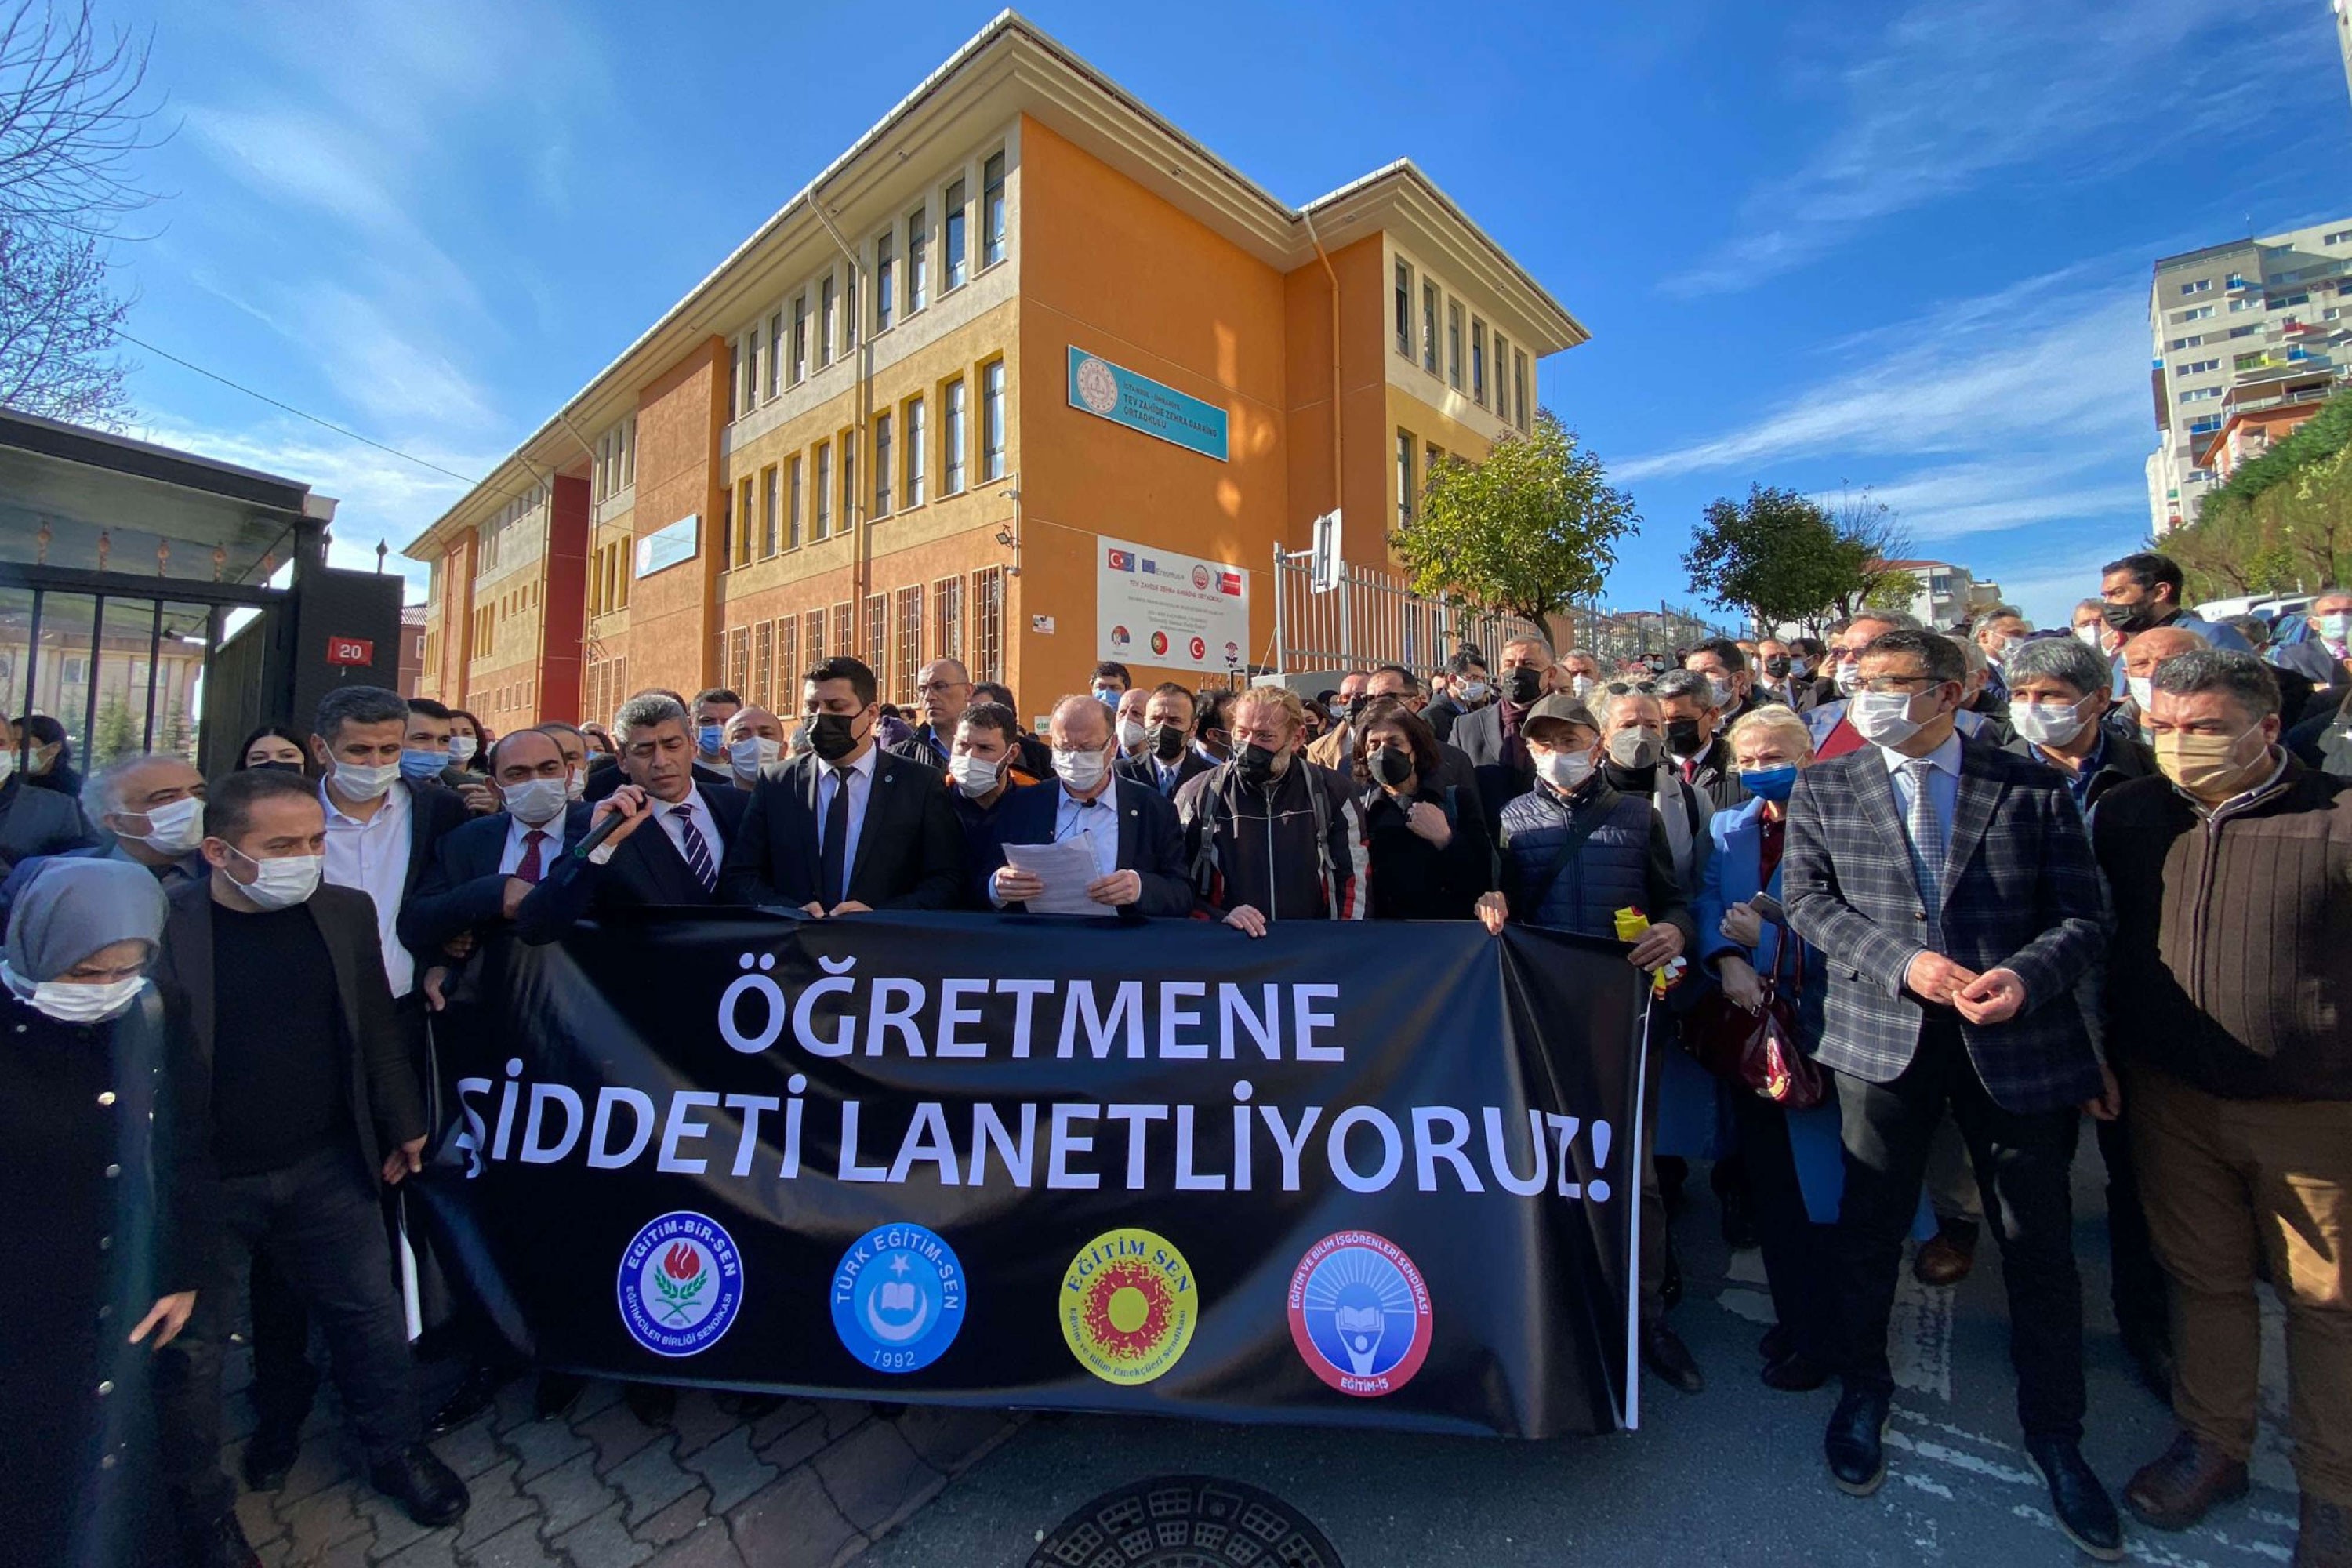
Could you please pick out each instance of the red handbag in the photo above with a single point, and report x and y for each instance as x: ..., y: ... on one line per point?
x: 1762, y: 1051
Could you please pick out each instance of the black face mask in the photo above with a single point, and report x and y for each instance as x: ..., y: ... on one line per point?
x: 1681, y: 737
x: 1255, y: 763
x: 280, y: 767
x: 832, y: 736
x: 1776, y: 668
x: 1391, y: 766
x: 1167, y: 741
x: 1521, y: 686
x: 2130, y: 618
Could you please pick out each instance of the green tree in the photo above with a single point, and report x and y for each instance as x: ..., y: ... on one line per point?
x: 1527, y: 533
x: 117, y: 733
x: 1775, y: 555
x: 1890, y: 588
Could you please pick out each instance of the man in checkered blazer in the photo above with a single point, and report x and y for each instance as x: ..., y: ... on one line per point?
x: 1950, y: 887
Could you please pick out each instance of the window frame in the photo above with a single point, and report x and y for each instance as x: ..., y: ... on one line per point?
x: 992, y: 430
x: 917, y: 460
x: 885, y: 279
x: 919, y: 261
x: 995, y: 213
x: 882, y: 463
x: 954, y: 432
x: 955, y: 236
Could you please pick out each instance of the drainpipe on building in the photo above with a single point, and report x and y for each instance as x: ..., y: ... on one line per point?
x: 1337, y: 465
x: 861, y: 558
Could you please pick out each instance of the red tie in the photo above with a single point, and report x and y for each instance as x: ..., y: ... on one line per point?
x: 531, y: 869
x: 1690, y: 768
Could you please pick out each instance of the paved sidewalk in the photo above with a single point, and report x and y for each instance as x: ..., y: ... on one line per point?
x: 810, y: 1485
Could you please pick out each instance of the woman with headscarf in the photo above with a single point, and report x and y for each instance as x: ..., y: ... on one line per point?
x: 103, y: 1211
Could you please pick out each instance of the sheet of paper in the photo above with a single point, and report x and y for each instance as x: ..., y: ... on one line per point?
x: 1066, y: 869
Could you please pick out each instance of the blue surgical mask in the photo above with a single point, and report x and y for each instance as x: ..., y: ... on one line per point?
x: 422, y: 767
x: 1770, y: 784
x: 2335, y: 627
x: 708, y: 738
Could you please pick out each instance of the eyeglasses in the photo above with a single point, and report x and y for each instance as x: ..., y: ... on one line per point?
x: 1632, y: 689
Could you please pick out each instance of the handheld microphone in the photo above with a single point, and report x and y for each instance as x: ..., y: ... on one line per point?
x: 601, y: 832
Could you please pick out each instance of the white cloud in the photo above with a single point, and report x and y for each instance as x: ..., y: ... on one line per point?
x: 1988, y: 496
x: 1955, y: 91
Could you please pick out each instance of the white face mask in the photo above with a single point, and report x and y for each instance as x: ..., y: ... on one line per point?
x: 176, y: 829
x: 1881, y: 717
x: 2089, y: 632
x: 1472, y: 690
x: 1720, y: 691
x: 1849, y: 676
x: 2143, y: 692
x: 575, y: 782
x: 1080, y: 771
x: 2335, y: 626
x: 1131, y: 735
x: 974, y: 775
x: 356, y: 782
x: 1564, y: 770
x: 7, y: 760
x: 2048, y: 724
x: 462, y: 749
x: 1581, y: 685
x: 70, y: 1003
x: 1631, y: 748
x: 282, y: 882
x: 751, y: 753
x: 534, y: 800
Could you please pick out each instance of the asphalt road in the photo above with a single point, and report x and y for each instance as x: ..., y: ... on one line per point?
x: 1733, y: 1475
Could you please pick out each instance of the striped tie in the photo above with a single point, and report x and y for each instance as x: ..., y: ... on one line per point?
x: 1925, y: 831
x: 697, y: 852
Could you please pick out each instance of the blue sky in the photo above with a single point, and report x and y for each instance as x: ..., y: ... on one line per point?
x: 1898, y: 247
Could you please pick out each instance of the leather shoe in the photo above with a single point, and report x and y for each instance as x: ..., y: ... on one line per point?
x: 1947, y: 1256
x: 1796, y: 1373
x: 558, y: 1391
x: 427, y: 1491
x: 468, y: 1399
x: 1777, y: 1342
x: 2087, y: 1515
x: 1664, y: 1353
x: 269, y: 1453
x: 651, y: 1403
x: 2173, y: 1491
x: 2324, y: 1538
x: 1854, y: 1445
x: 217, y: 1543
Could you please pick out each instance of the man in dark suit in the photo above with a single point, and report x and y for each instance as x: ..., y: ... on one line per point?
x: 299, y: 1082
x: 1950, y: 888
x: 848, y: 828
x: 1139, y: 853
x: 1490, y: 737
x: 603, y: 782
x: 1168, y: 757
x: 33, y: 821
x: 678, y: 864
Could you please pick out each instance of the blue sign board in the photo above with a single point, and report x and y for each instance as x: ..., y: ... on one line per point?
x: 1117, y: 394
x: 665, y: 547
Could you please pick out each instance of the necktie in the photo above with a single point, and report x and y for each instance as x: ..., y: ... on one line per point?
x: 1925, y: 830
x: 834, y: 853
x: 698, y: 851
x: 533, y: 864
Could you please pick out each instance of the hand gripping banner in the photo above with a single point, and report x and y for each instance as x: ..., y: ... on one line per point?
x: 1381, y: 1175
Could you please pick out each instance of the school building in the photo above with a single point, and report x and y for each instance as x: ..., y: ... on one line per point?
x: 1028, y: 377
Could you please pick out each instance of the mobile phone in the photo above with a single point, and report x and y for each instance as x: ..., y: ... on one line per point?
x: 1768, y: 906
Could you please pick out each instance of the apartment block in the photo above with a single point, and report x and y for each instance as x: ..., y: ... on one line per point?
x: 1027, y: 377
x: 2245, y: 333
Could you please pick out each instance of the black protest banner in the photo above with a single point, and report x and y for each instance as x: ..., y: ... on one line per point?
x: 1371, y: 1174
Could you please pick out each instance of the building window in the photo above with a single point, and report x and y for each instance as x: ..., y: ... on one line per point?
x: 823, y: 492
x: 726, y: 530
x: 1479, y: 362
x: 1454, y: 345
x: 2191, y: 342
x: 2197, y: 367
x: 886, y: 281
x: 800, y: 339
x: 792, y: 509
x: 848, y: 484
x: 775, y: 353
x: 992, y: 422
x: 2341, y: 236
x: 1429, y: 327
x: 845, y: 629
x: 2200, y: 287
x: 734, y: 380
x: 788, y: 666
x: 825, y: 322
x: 1431, y: 456
x: 910, y: 640
x: 1404, y: 479
x: 881, y: 465
x: 951, y: 439
x: 2201, y: 395
x: 751, y: 371
x: 918, y: 261
x: 743, y: 516
x: 947, y: 619
x: 876, y: 652
x: 1404, y: 310
x: 768, y: 539
x: 848, y: 310
x: 955, y: 267
x: 1519, y: 388
x: 992, y: 211
x: 1502, y: 378
x: 987, y: 623
x: 763, y: 667
x: 812, y: 646
x: 915, y: 453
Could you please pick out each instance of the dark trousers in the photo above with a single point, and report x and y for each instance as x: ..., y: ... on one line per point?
x: 2135, y: 1282
x: 2022, y: 1162
x: 319, y: 1224
x: 1800, y: 1256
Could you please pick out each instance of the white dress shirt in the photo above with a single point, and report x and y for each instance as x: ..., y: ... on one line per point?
x: 861, y: 790
x: 372, y: 855
x: 1943, y: 780
x: 1097, y: 821
x: 511, y: 860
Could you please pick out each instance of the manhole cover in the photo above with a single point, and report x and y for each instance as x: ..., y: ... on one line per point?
x: 1186, y: 1522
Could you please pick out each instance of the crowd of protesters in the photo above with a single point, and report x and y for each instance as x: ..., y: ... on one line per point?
x: 1919, y: 901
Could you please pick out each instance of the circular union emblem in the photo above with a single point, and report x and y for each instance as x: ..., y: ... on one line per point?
x: 1097, y: 387
x: 1119, y: 637
x: 1200, y: 650
x: 1359, y: 1313
x: 1201, y: 577
x: 1159, y: 642
x: 1128, y: 1306
x: 681, y: 1284
x: 898, y: 1298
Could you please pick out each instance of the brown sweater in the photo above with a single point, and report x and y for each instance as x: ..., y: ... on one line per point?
x: 2231, y: 963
